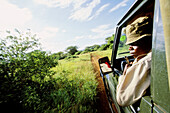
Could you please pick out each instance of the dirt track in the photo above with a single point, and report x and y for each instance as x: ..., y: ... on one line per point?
x: 102, y: 103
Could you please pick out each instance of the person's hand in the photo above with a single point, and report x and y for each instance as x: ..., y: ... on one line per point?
x: 126, y: 67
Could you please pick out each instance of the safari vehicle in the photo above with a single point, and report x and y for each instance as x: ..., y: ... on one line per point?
x: 158, y: 101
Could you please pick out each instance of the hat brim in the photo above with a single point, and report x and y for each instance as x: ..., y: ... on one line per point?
x: 131, y: 40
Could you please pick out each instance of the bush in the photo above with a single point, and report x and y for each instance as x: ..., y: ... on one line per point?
x: 71, y: 50
x: 96, y: 47
x: 83, y: 52
x: 103, y: 47
x: 77, y: 53
x: 27, y: 82
x: 25, y: 77
x: 59, y: 55
x: 111, y: 46
x: 71, y: 56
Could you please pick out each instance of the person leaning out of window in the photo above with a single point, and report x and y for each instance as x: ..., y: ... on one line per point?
x: 135, y: 81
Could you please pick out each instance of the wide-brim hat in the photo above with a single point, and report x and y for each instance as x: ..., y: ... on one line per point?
x: 140, y: 28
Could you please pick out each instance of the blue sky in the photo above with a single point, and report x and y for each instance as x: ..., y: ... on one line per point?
x: 62, y: 23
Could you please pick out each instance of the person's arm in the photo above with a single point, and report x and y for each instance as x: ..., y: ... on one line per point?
x: 132, y: 85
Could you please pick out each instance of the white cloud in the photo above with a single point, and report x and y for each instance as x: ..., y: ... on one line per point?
x: 78, y: 3
x: 99, y: 11
x: 121, y: 4
x: 97, y: 36
x: 81, y: 14
x: 55, y: 3
x: 100, y: 28
x: 53, y: 47
x: 13, y: 16
x: 48, y: 32
x: 77, y: 7
x: 82, y: 9
x: 84, y: 13
x: 63, y: 31
x: 61, y: 3
x: 102, y: 31
x: 102, y: 8
x: 49, y: 39
x: 79, y: 37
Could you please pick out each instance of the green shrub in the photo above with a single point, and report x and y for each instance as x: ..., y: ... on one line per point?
x: 24, y: 74
x: 77, y: 53
x: 29, y: 83
x: 111, y: 46
x: 103, y: 47
x: 71, y: 56
x: 83, y: 52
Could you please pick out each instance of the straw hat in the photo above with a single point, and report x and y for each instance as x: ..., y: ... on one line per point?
x: 140, y: 28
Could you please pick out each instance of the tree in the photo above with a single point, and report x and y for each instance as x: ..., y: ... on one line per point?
x: 78, y: 52
x: 88, y: 49
x: 25, y: 74
x: 109, y: 40
x: 59, y: 55
x: 71, y: 50
x: 104, y: 47
x: 96, y: 47
x: 92, y: 48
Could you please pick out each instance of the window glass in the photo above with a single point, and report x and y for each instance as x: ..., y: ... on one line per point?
x: 123, y: 49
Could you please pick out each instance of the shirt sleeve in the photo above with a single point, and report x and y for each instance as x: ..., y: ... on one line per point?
x: 132, y: 86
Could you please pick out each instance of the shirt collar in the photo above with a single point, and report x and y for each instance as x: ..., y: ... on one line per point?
x: 140, y: 57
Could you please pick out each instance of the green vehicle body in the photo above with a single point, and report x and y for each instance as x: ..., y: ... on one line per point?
x: 158, y: 101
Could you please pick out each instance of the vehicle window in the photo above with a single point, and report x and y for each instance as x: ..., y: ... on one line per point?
x: 123, y: 49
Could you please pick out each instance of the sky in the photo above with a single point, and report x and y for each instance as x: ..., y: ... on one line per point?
x: 62, y: 23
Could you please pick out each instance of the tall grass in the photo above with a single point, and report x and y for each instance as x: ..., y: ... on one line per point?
x: 76, y: 90
x: 78, y: 85
x: 104, y: 53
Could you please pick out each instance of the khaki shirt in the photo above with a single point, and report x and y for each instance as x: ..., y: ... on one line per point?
x: 132, y: 86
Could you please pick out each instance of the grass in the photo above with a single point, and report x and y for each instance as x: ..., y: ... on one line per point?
x: 77, y: 83
x: 76, y: 67
x: 79, y: 80
x: 104, y: 53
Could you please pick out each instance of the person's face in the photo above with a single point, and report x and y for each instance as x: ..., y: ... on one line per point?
x: 136, y: 50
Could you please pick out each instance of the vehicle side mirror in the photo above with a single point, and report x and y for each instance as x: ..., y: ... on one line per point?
x: 105, y: 66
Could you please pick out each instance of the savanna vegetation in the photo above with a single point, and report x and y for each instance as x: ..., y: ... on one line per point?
x: 72, y: 51
x: 32, y: 80
x: 78, y: 84
x: 26, y: 82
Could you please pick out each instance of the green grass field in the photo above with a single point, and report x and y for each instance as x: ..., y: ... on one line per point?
x: 77, y: 90
x: 79, y: 84
x: 107, y: 53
